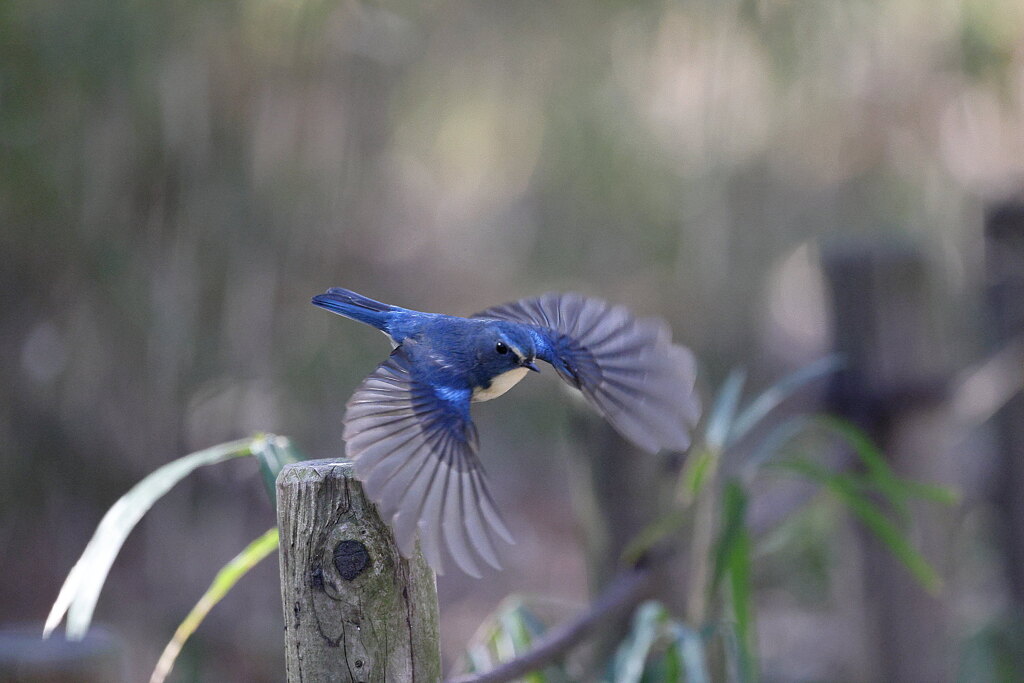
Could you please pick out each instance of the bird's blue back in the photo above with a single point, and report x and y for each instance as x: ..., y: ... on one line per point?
x: 447, y: 350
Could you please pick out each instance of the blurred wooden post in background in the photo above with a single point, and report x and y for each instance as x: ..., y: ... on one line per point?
x: 1004, y: 232
x: 618, y: 491
x: 894, y: 377
x: 354, y: 608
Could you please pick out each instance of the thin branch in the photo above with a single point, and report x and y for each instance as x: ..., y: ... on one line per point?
x: 624, y: 593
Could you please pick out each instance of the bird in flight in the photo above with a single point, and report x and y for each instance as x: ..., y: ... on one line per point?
x: 408, y: 427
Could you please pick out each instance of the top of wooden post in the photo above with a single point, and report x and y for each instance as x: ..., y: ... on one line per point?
x: 886, y: 326
x: 355, y: 609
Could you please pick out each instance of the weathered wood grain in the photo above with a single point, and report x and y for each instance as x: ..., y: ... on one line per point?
x: 354, y: 608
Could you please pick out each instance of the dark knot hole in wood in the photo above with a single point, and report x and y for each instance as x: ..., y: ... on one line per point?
x: 351, y: 559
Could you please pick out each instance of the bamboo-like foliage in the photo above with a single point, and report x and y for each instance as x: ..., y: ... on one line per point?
x: 81, y: 589
x: 716, y: 638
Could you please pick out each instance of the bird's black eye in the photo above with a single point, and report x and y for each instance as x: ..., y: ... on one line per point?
x: 501, y: 348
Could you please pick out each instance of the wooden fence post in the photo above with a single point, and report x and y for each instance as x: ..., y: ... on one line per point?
x: 355, y: 609
x: 1004, y: 230
x: 894, y: 378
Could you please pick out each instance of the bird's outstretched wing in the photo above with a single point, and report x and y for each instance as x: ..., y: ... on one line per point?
x: 414, y: 447
x: 627, y: 367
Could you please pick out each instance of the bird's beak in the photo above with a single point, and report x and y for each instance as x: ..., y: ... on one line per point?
x: 531, y: 366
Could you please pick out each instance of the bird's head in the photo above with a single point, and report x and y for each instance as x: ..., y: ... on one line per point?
x: 508, y: 346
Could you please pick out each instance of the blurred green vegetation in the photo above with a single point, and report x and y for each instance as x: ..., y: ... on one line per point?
x: 176, y: 180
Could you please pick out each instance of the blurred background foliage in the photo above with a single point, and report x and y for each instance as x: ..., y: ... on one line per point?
x: 177, y: 178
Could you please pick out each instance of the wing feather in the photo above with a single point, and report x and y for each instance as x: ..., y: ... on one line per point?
x: 626, y: 366
x: 452, y: 515
x: 475, y: 528
x: 415, y: 452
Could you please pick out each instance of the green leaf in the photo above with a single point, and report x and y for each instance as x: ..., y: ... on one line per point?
x: 670, y: 669
x: 502, y: 641
x: 659, y: 648
x: 734, y: 659
x: 878, y: 470
x: 519, y: 629
x: 848, y: 490
x: 691, y: 648
x: 652, y: 534
x: 735, y: 504
x: 896, y: 489
x: 510, y: 631
x: 699, y: 469
x: 774, y: 395
x: 514, y: 627
x: 631, y: 658
x: 531, y: 622
x: 773, y: 442
x: 273, y: 452
x: 720, y: 421
x: 742, y: 602
x: 225, y: 580
x: 934, y: 493
x: 478, y: 658
x: 878, y: 475
x: 81, y: 590
x: 732, y: 560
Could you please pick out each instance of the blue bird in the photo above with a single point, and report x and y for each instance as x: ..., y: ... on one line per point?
x: 408, y: 427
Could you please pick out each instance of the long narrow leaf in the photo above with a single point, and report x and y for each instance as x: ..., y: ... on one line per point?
x: 670, y: 667
x: 720, y: 421
x: 742, y: 602
x: 81, y: 590
x: 515, y: 625
x: 878, y: 470
x: 515, y: 628
x: 879, y: 475
x: 652, y: 534
x: 482, y: 650
x: 631, y: 658
x: 733, y: 528
x: 478, y: 658
x: 225, y: 580
x: 774, y: 395
x: 700, y: 468
x: 934, y: 493
x: 772, y: 443
x: 736, y: 669
x: 732, y: 561
x: 901, y: 490
x: 896, y: 489
x: 273, y: 452
x: 691, y: 647
x: 509, y: 632
x: 503, y: 640
x: 874, y: 519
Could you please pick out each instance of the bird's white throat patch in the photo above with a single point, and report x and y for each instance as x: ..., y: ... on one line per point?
x: 500, y: 384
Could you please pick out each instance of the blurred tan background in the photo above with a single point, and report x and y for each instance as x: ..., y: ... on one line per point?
x: 178, y: 178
